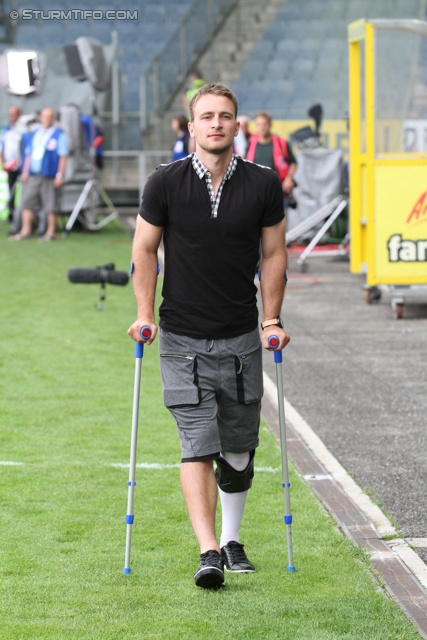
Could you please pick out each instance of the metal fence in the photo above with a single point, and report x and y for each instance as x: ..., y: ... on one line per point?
x: 129, y: 170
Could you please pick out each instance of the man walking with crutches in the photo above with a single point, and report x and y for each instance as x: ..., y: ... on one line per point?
x: 213, y: 209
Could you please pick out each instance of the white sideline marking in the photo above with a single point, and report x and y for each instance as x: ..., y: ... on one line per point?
x: 347, y: 484
x: 10, y: 463
x: 158, y: 465
x: 147, y: 465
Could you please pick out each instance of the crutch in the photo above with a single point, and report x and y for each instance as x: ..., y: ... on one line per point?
x: 273, y: 343
x: 145, y: 333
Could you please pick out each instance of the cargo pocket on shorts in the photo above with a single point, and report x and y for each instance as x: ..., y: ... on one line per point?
x: 249, y: 381
x: 180, y: 380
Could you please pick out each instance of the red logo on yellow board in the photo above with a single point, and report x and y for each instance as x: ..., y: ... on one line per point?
x: 404, y: 250
x: 418, y: 214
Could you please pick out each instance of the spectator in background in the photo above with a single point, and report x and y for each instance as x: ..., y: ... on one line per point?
x: 241, y: 141
x: 270, y: 150
x: 10, y: 153
x: 196, y: 83
x: 94, y: 139
x: 42, y: 175
x: 181, y: 147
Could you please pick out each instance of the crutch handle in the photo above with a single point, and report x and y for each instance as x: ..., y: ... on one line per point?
x: 145, y: 332
x: 273, y: 343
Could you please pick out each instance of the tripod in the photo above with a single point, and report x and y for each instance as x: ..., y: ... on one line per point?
x: 90, y: 214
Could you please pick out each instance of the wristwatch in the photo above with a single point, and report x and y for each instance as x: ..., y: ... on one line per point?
x: 273, y: 322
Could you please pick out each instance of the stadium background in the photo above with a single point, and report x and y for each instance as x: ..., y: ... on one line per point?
x: 279, y: 56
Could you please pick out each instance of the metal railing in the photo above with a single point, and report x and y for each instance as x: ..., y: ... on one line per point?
x: 171, y: 66
x: 129, y: 170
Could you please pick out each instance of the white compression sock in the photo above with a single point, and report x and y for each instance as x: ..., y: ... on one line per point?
x: 233, y: 504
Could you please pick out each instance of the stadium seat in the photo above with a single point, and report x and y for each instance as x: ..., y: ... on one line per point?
x: 335, y: 8
x: 277, y: 70
x: 303, y: 67
x: 289, y: 11
x: 309, y: 47
x: 276, y: 31
x: 262, y: 47
x: 253, y: 71
x: 312, y: 9
x: 286, y: 50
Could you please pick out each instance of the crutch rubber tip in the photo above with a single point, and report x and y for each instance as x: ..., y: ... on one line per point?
x: 126, y: 570
x: 290, y: 568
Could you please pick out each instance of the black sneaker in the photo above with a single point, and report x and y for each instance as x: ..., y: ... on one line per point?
x: 210, y: 573
x: 235, y: 558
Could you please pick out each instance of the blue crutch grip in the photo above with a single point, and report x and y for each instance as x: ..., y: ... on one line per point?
x: 273, y: 343
x: 139, y: 350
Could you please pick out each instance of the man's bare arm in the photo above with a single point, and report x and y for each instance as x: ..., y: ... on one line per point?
x: 273, y: 266
x: 144, y: 257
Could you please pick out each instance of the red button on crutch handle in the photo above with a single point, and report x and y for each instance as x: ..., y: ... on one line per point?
x: 273, y: 342
x: 145, y: 332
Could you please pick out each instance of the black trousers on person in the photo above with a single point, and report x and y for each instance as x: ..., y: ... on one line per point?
x: 12, y: 177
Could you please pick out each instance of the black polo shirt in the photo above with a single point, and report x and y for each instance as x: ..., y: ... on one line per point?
x: 210, y: 262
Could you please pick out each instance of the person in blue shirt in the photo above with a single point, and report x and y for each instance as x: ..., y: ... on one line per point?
x: 45, y: 158
x: 10, y: 154
x: 181, y: 147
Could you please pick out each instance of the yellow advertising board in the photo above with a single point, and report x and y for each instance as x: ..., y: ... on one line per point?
x: 388, y: 155
x: 400, y: 225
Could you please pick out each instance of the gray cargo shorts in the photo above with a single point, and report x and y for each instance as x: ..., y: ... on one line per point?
x: 40, y: 194
x: 213, y: 388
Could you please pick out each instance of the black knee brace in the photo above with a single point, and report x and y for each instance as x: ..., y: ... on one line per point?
x: 231, y: 481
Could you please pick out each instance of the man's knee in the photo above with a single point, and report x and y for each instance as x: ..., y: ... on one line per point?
x: 232, y: 481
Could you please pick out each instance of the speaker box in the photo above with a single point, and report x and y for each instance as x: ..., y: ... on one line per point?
x: 74, y: 63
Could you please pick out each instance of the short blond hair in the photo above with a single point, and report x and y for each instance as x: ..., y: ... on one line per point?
x: 214, y: 89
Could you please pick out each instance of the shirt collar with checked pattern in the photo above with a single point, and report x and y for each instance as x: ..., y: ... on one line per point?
x: 203, y: 172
